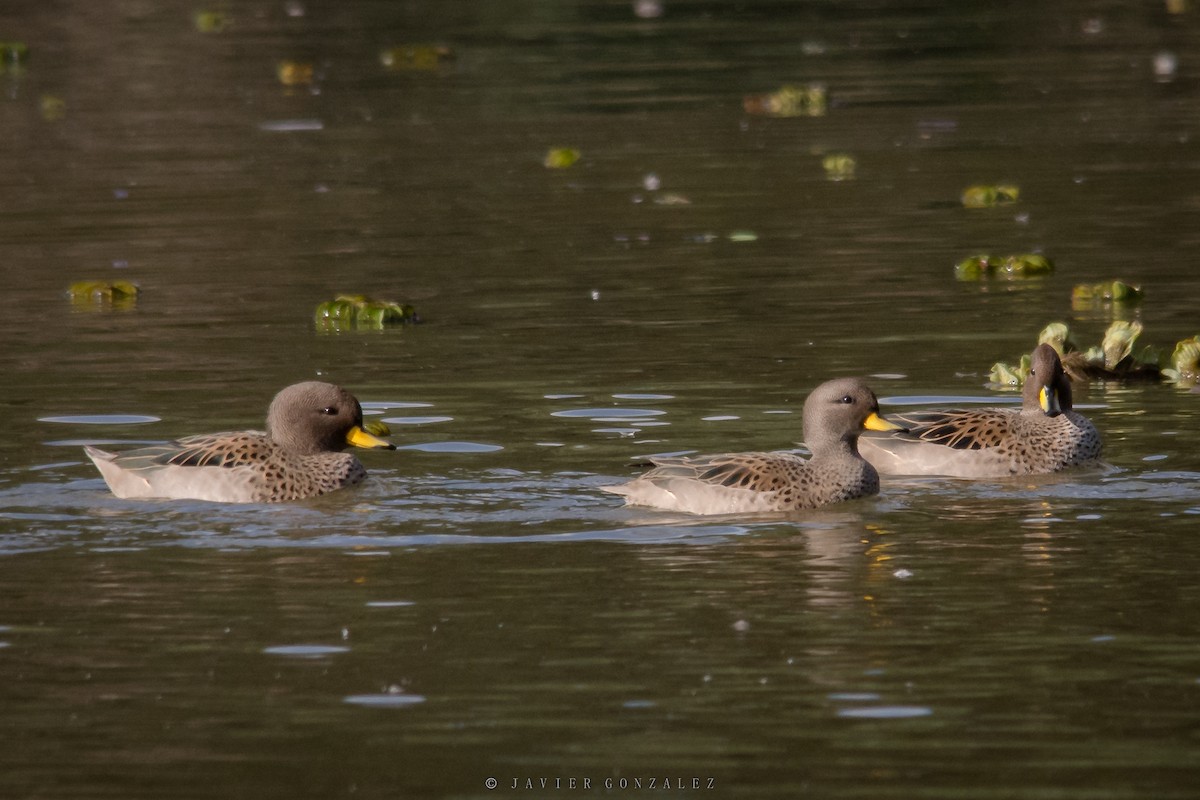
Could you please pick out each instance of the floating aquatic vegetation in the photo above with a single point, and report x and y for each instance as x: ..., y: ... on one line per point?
x: 1012, y: 377
x: 839, y: 166
x: 377, y: 427
x: 1184, y: 366
x: 810, y: 100
x: 1112, y: 359
x: 103, y: 294
x: 1029, y: 265
x: 560, y: 157
x: 743, y: 236
x: 988, y: 196
x: 1089, y: 295
x: 1058, y: 336
x: 1118, y: 342
x: 415, y: 57
x: 53, y: 107
x: 672, y: 199
x: 348, y: 311
x: 210, y: 21
x: 294, y: 73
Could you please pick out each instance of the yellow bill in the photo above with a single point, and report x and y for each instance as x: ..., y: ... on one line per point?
x: 878, y: 423
x: 360, y: 438
x: 1048, y: 400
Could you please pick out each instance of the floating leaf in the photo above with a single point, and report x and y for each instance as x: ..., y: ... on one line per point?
x: 1058, y: 336
x: 116, y: 294
x: 839, y: 166
x: 743, y: 236
x: 1118, y: 342
x: 1010, y: 376
x: 415, y: 57
x: 789, y: 101
x: 210, y: 21
x: 1185, y: 362
x: 561, y: 157
x: 985, y: 196
x: 294, y: 73
x: 359, y: 311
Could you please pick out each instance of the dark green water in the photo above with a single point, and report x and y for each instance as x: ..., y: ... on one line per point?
x: 480, y: 609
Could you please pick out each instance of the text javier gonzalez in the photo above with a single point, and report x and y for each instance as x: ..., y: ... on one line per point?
x: 650, y: 783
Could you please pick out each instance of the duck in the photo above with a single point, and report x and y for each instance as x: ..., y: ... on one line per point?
x: 835, y: 414
x: 298, y: 456
x: 1046, y: 435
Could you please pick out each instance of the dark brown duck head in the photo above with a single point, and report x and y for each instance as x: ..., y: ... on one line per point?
x: 315, y: 417
x: 1047, y: 389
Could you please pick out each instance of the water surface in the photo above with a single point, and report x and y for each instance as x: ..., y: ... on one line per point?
x: 480, y: 609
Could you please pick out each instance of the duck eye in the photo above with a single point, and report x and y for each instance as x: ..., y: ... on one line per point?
x: 847, y: 399
x: 330, y: 410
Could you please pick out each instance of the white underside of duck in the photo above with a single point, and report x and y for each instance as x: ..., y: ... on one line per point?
x: 896, y: 457
x: 218, y: 484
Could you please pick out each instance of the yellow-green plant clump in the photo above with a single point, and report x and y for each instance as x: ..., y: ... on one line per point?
x: 989, y: 196
x: 113, y: 294
x: 1027, y: 265
x: 1089, y: 295
x: 415, y: 57
x: 810, y: 100
x: 350, y: 311
x: 1112, y: 359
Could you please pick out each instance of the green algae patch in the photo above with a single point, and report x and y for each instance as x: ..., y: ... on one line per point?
x: 810, y: 100
x: 560, y: 157
x: 1018, y: 267
x: 415, y: 57
x: 103, y: 294
x: 990, y: 196
x: 357, y: 311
